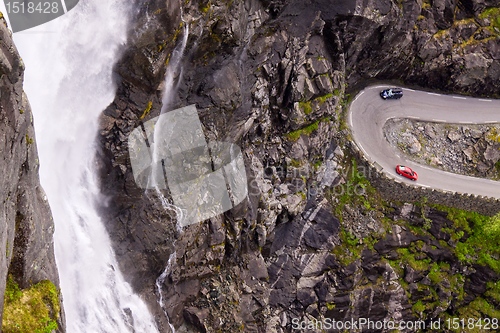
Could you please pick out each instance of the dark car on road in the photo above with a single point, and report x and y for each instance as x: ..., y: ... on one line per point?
x: 406, y: 172
x: 391, y: 93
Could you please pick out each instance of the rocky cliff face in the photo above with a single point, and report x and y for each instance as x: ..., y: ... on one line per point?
x: 314, y: 239
x: 27, y: 226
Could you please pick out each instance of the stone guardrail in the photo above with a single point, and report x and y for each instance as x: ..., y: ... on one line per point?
x: 396, y: 190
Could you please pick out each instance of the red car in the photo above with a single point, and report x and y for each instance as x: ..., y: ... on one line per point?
x: 406, y: 172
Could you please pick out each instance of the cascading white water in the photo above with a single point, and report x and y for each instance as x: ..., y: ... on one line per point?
x: 174, y: 71
x: 69, y: 82
x: 159, y: 282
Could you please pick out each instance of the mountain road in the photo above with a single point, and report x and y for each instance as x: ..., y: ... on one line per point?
x: 369, y: 112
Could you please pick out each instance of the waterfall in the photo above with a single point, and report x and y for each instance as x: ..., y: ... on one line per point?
x: 159, y: 282
x: 174, y: 70
x: 69, y: 82
x: 173, y: 76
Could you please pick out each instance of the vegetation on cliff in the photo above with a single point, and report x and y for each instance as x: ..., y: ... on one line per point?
x: 35, y: 309
x: 316, y: 239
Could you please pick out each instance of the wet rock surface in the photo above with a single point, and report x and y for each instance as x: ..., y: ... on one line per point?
x: 312, y: 240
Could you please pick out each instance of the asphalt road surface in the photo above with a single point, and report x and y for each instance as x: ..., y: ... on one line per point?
x: 369, y: 112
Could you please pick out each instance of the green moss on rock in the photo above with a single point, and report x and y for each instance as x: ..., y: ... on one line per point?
x: 493, y: 15
x: 29, y: 141
x: 324, y: 98
x: 147, y: 110
x: 308, y: 130
x: 306, y: 107
x: 35, y: 309
x: 484, y: 236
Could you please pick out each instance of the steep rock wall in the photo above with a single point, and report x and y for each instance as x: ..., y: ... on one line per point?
x: 272, y: 76
x: 27, y: 226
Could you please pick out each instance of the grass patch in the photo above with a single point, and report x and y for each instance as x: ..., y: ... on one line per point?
x: 317, y: 164
x: 441, y: 34
x: 35, y: 309
x: 349, y: 251
x: 343, y: 108
x: 493, y: 135
x: 408, y: 257
x: 418, y: 307
x: 493, y: 15
x: 438, y: 272
x: 324, y: 98
x: 493, y: 291
x: 147, y: 110
x: 204, y: 7
x: 29, y: 141
x: 306, y: 107
x: 295, y: 163
x: 482, y: 307
x: 479, y: 308
x: 357, y: 190
x: 308, y: 130
x: 481, y: 245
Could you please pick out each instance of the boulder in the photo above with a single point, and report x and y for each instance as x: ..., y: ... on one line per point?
x: 196, y: 317
x: 492, y: 154
x: 454, y: 136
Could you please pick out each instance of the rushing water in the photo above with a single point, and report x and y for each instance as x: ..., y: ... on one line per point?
x: 173, y: 76
x: 69, y: 82
x: 172, y: 80
x: 159, y: 282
